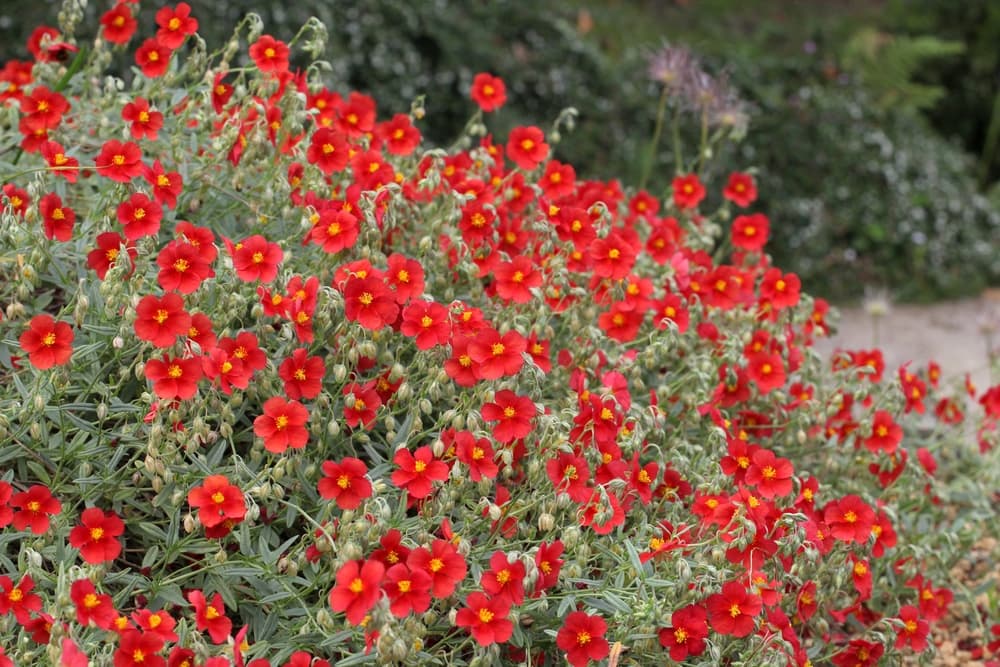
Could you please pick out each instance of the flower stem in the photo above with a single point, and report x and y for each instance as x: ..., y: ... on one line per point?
x: 661, y: 111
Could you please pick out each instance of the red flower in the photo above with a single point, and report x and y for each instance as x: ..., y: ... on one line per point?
x: 140, y: 216
x: 549, y: 565
x: 771, y: 475
x: 570, y: 473
x: 767, y: 370
x: 146, y: 122
x: 57, y: 220
x: 369, y: 302
x: 59, y: 162
x: 750, y: 232
x: 416, y: 472
x: 859, y: 653
x: 399, y: 135
x: 409, y: 590
x: 886, y: 433
x: 740, y: 189
x: 160, y: 320
x: 477, y: 454
x: 97, y: 536
x: 18, y: 199
x: 861, y: 574
x: 363, y: 409
x: 174, y: 378
x: 119, y: 24
x: 166, y: 185
x: 582, y: 638
x: 504, y: 579
x: 486, y: 619
x: 328, y: 150
x: 175, y: 25
x: 201, y: 332
x: 488, y: 91
x: 526, y: 147
x: 44, y: 107
x: 33, y: 508
x: 19, y: 599
x: 182, y: 267
x: 443, y: 563
x: 91, y: 605
x: 428, y: 322
x: 210, y: 616
x: 688, y: 191
x: 613, y: 256
x: 405, y: 276
x: 228, y: 372
x: 849, y: 519
x: 270, y: 55
x: 335, y: 230
x: 302, y: 375
x: 514, y: 414
x: 119, y: 161
x: 559, y: 180
x: 217, y: 501
x: 357, y: 116
x: 358, y: 589
x: 158, y: 623
x: 805, y: 601
x: 282, y: 425
x: 496, y: 355
x: 780, y: 290
x: 246, y: 348
x: 256, y: 259
x: 153, y: 58
x: 733, y: 611
x: 346, y: 483
x: 514, y: 279
x: 47, y: 342
x: 687, y: 632
x: 139, y: 649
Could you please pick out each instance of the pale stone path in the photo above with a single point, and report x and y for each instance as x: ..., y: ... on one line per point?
x: 956, y: 334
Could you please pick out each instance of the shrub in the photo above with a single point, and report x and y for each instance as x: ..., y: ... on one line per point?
x: 280, y: 388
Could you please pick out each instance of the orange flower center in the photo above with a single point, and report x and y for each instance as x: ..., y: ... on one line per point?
x: 96, y: 534
x: 49, y: 339
x: 281, y: 422
x: 734, y: 610
x: 485, y: 615
x: 366, y: 298
x: 420, y: 466
x: 357, y: 586
x: 174, y: 371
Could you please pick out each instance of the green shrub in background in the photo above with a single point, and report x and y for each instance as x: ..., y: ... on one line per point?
x: 869, y: 197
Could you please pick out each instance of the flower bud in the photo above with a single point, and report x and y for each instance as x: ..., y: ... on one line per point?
x: 546, y: 522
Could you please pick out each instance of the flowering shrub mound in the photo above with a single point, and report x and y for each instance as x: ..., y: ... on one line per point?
x: 283, y: 387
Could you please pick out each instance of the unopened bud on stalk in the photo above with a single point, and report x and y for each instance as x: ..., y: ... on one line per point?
x: 546, y: 522
x: 189, y: 523
x: 404, y: 392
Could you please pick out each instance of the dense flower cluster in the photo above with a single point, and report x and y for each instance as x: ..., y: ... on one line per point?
x: 344, y: 399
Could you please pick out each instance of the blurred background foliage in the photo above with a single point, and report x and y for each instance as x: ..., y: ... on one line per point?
x: 875, y: 124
